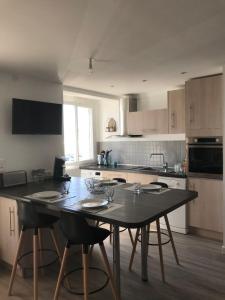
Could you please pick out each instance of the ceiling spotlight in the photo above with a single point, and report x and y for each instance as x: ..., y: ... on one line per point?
x: 90, y: 65
x: 112, y: 86
x: 144, y: 80
x: 182, y: 73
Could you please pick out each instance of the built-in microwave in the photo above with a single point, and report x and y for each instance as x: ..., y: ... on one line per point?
x: 205, y: 157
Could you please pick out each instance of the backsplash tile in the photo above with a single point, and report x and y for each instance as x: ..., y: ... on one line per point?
x: 138, y: 153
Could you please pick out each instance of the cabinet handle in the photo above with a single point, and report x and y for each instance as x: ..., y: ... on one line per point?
x: 173, y: 119
x: 191, y: 108
x: 11, y: 221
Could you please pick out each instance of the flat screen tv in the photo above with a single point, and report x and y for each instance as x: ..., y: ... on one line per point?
x: 35, y: 117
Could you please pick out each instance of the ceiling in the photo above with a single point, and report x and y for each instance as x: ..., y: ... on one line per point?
x: 129, y: 40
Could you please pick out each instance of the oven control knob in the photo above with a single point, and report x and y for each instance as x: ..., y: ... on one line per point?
x: 217, y: 140
x: 195, y: 140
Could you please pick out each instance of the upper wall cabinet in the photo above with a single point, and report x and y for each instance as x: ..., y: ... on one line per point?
x: 147, y: 122
x: 176, y: 111
x: 155, y: 121
x: 204, y: 106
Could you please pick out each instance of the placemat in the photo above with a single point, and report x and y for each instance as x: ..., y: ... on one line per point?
x: 159, y: 192
x: 101, y: 210
x: 52, y: 200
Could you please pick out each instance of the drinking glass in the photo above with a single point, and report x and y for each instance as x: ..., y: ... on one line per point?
x: 66, y: 187
x: 89, y: 182
x: 109, y: 192
x: 137, y: 187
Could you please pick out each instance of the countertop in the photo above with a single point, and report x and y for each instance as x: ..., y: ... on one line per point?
x: 134, y: 169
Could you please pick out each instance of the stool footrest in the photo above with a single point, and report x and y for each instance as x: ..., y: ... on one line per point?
x: 72, y: 291
x: 39, y: 267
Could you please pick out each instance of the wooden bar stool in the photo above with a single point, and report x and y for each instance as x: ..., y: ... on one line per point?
x: 160, y: 243
x: 78, y: 232
x: 30, y: 219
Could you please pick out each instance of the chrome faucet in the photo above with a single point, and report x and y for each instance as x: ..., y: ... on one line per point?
x: 165, y: 164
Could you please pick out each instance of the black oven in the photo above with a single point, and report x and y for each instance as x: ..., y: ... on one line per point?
x: 205, y: 156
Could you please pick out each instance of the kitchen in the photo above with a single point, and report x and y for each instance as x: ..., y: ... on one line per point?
x: 134, y: 116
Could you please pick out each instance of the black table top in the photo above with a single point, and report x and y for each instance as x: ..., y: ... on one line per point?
x: 136, y: 210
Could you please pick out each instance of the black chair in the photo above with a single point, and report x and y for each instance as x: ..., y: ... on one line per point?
x: 121, y: 180
x: 159, y: 233
x: 29, y: 218
x: 78, y: 232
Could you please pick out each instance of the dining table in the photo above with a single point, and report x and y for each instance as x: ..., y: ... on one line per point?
x: 129, y: 209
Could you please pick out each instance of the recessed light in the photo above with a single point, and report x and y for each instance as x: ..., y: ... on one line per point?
x: 144, y: 80
x: 112, y: 86
x: 184, y: 72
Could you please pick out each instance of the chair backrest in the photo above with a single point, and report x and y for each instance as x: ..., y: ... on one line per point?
x: 122, y: 180
x: 27, y: 214
x: 75, y: 228
x: 162, y: 184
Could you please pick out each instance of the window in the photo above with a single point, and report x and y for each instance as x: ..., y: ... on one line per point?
x: 78, y: 132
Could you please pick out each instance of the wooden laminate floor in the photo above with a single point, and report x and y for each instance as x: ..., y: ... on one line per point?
x: 200, y: 276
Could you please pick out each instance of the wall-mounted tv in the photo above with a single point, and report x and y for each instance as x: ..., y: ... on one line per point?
x: 35, y: 117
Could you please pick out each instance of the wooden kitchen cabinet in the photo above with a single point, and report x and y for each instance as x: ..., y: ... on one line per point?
x: 155, y: 121
x: 130, y: 177
x: 176, y: 111
x: 9, y: 229
x: 140, y: 178
x: 205, y: 212
x: 112, y: 174
x: 135, y: 123
x: 203, y: 106
x: 147, y: 122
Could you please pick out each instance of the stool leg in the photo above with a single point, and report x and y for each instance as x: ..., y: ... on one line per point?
x: 85, y: 270
x: 54, y: 239
x: 134, y: 249
x: 12, y: 277
x: 131, y: 237
x: 61, y: 272
x: 171, y: 239
x: 40, y: 248
x: 160, y: 249
x: 35, y: 263
x: 109, y: 271
x: 56, y: 245
x: 111, y: 235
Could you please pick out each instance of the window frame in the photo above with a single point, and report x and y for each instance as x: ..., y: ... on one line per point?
x: 78, y: 162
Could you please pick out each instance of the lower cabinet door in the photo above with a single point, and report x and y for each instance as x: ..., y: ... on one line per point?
x: 111, y: 175
x: 9, y: 232
x: 205, y: 212
x: 141, y: 178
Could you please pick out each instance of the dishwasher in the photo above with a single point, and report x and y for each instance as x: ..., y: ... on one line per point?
x: 177, y: 218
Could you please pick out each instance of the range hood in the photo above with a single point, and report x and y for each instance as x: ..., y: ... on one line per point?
x: 127, y: 103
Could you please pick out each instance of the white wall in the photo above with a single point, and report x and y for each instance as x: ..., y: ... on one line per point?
x: 27, y: 152
x: 107, y: 109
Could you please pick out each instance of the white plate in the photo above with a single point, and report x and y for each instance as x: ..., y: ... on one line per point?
x: 151, y: 187
x: 47, y: 195
x: 93, y: 203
